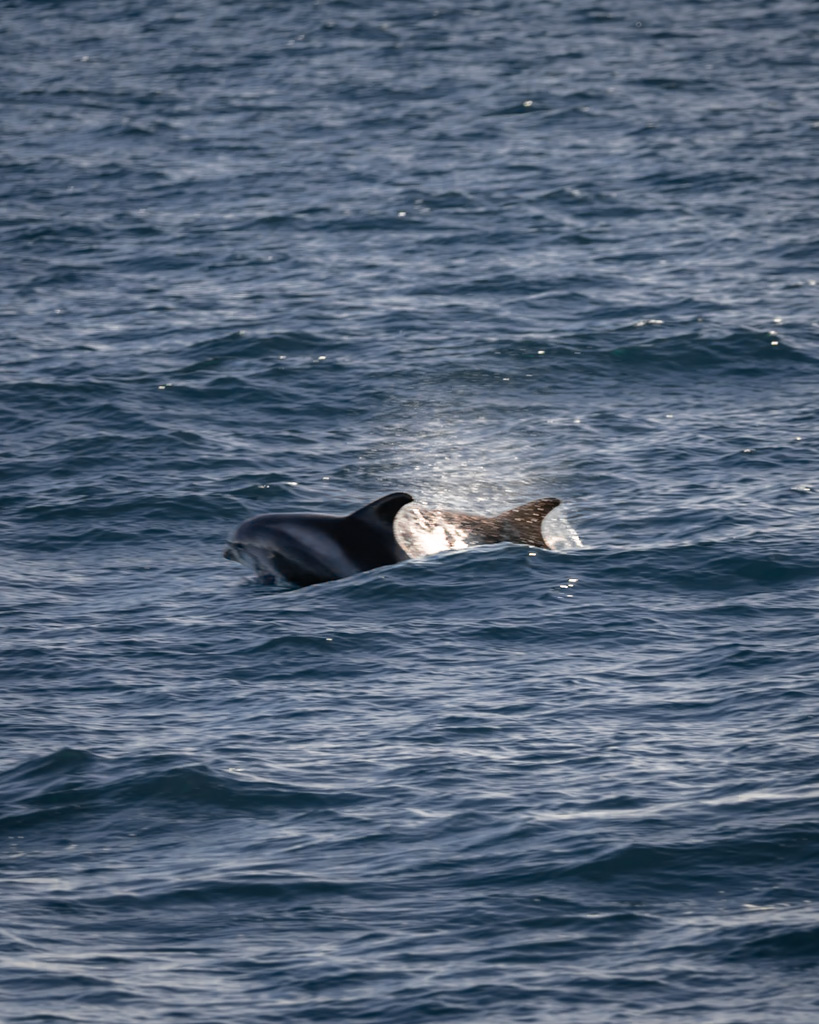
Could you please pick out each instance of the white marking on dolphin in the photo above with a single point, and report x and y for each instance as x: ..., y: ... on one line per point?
x: 307, y: 548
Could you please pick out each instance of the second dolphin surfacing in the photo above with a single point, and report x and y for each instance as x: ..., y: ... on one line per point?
x: 307, y: 548
x: 422, y: 531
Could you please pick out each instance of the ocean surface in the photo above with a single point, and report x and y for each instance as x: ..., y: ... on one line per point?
x: 278, y: 256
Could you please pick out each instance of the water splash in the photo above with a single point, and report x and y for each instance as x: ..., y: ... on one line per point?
x: 558, y: 532
x: 421, y: 531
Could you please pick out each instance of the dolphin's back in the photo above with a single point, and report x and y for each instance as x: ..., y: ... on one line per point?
x: 425, y: 531
x: 521, y: 525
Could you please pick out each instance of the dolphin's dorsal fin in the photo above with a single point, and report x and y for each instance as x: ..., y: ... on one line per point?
x: 383, y: 510
x: 522, y: 525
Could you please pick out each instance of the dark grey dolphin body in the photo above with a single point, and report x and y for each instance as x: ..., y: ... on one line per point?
x: 314, y: 548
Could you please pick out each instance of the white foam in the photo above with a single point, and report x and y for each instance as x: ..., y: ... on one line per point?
x: 558, y: 532
x: 422, y: 532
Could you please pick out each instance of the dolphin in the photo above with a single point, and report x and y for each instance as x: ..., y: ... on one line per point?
x: 422, y: 531
x: 307, y: 548
x: 315, y: 548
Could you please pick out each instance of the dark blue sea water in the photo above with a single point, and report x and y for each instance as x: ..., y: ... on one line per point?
x: 276, y: 256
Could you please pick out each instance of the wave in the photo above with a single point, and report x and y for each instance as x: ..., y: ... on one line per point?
x: 742, y: 351
x: 792, y: 944
x: 71, y: 783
